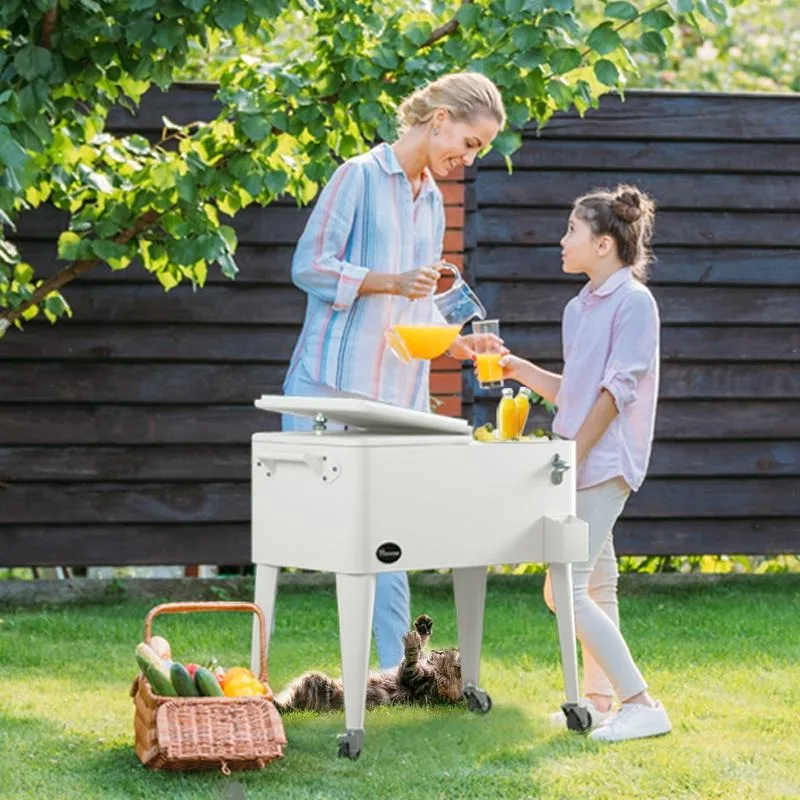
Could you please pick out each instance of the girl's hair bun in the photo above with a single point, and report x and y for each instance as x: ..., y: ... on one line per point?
x: 628, y: 205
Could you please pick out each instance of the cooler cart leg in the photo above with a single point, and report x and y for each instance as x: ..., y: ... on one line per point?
x: 266, y: 587
x: 469, y: 587
x: 355, y: 595
x: 561, y: 581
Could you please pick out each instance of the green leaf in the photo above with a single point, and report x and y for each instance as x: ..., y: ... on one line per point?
x: 682, y: 6
x: 716, y: 11
x: 230, y: 13
x: 606, y: 72
x: 255, y: 127
x: 604, y: 39
x: 657, y: 20
x: 507, y: 142
x: 621, y: 10
x: 69, y: 246
x: 276, y: 181
x: 527, y: 37
x: 560, y: 92
x: 107, y: 250
x: 32, y: 61
x: 565, y: 60
x: 653, y: 42
x: 418, y: 32
x: 468, y: 15
x: 23, y: 273
x: 11, y: 154
x: 228, y: 265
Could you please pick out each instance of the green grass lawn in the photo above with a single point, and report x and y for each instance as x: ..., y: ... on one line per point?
x: 724, y: 658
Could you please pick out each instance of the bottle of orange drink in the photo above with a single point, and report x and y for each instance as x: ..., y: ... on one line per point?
x: 523, y: 403
x: 507, y: 416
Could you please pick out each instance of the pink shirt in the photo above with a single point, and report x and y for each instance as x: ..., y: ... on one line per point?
x: 611, y: 341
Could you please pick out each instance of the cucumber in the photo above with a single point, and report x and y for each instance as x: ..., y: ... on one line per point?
x: 207, y: 684
x: 154, y: 670
x: 182, y: 680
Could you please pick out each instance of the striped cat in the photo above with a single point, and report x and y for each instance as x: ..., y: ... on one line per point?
x: 423, y: 677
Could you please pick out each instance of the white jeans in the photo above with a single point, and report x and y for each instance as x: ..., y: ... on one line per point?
x: 608, y: 667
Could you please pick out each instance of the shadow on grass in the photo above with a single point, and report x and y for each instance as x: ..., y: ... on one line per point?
x: 408, y: 752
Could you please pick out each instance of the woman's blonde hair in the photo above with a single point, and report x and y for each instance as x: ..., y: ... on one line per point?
x: 466, y: 95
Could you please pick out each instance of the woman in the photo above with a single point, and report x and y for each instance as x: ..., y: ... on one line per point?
x: 369, y: 249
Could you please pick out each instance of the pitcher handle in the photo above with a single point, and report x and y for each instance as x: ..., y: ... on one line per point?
x: 446, y: 266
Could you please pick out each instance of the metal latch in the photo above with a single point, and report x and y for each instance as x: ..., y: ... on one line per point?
x: 327, y: 469
x: 559, y: 468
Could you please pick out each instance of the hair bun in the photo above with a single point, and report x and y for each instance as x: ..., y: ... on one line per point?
x: 628, y: 204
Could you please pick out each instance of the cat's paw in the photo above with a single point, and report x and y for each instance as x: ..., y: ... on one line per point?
x: 423, y: 624
x: 412, y: 641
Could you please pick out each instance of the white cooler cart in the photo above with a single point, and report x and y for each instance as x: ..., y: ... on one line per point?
x: 400, y: 490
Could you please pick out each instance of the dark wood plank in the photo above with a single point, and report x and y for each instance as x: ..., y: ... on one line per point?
x: 673, y: 228
x: 94, y: 424
x: 703, y: 536
x: 121, y: 503
x: 540, y: 302
x: 683, y: 116
x: 115, y: 544
x: 283, y: 226
x: 180, y: 463
x: 184, y: 103
x: 229, y: 543
x: 78, y: 340
x: 689, y: 420
x: 674, y: 190
x: 679, y: 498
x: 609, y: 155
x: 725, y: 458
x: 674, y: 265
x: 683, y: 343
x: 103, y: 503
x: 695, y: 381
x: 258, y: 264
x: 200, y: 384
x: 232, y: 304
x: 219, y: 462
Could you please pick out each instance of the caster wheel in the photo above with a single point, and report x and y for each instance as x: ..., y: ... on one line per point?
x: 350, y: 744
x: 578, y: 718
x: 477, y: 700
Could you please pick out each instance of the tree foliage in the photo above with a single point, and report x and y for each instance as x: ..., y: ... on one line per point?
x: 321, y: 85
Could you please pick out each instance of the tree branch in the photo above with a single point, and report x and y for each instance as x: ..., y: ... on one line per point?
x: 69, y: 273
x: 654, y: 7
x: 48, y: 25
x: 446, y: 29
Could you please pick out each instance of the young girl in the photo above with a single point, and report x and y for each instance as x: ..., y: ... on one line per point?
x: 606, y: 399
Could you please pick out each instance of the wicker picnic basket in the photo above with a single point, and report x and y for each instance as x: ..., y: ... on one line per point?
x: 194, y: 733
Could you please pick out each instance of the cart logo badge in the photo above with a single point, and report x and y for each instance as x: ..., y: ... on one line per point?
x: 388, y: 552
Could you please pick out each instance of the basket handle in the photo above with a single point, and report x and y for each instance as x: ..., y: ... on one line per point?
x: 186, y: 608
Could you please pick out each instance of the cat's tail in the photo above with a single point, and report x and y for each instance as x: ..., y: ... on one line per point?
x: 313, y: 691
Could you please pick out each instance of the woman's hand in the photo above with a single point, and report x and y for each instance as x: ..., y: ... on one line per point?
x: 417, y: 283
x: 464, y: 347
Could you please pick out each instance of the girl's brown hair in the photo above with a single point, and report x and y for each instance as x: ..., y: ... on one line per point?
x: 466, y: 95
x: 627, y: 215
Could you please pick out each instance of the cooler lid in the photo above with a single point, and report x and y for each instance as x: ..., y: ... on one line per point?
x: 370, y: 415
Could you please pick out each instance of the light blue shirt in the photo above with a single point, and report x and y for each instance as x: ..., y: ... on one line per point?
x: 366, y: 219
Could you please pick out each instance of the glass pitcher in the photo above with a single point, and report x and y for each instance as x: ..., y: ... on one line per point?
x: 427, y: 334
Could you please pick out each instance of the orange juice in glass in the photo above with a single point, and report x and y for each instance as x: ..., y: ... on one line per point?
x: 488, y: 353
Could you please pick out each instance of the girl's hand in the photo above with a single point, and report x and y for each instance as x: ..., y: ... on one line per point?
x: 464, y: 346
x: 417, y: 283
x: 511, y: 366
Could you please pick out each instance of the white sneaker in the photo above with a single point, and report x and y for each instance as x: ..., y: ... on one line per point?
x: 596, y: 717
x: 633, y: 721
